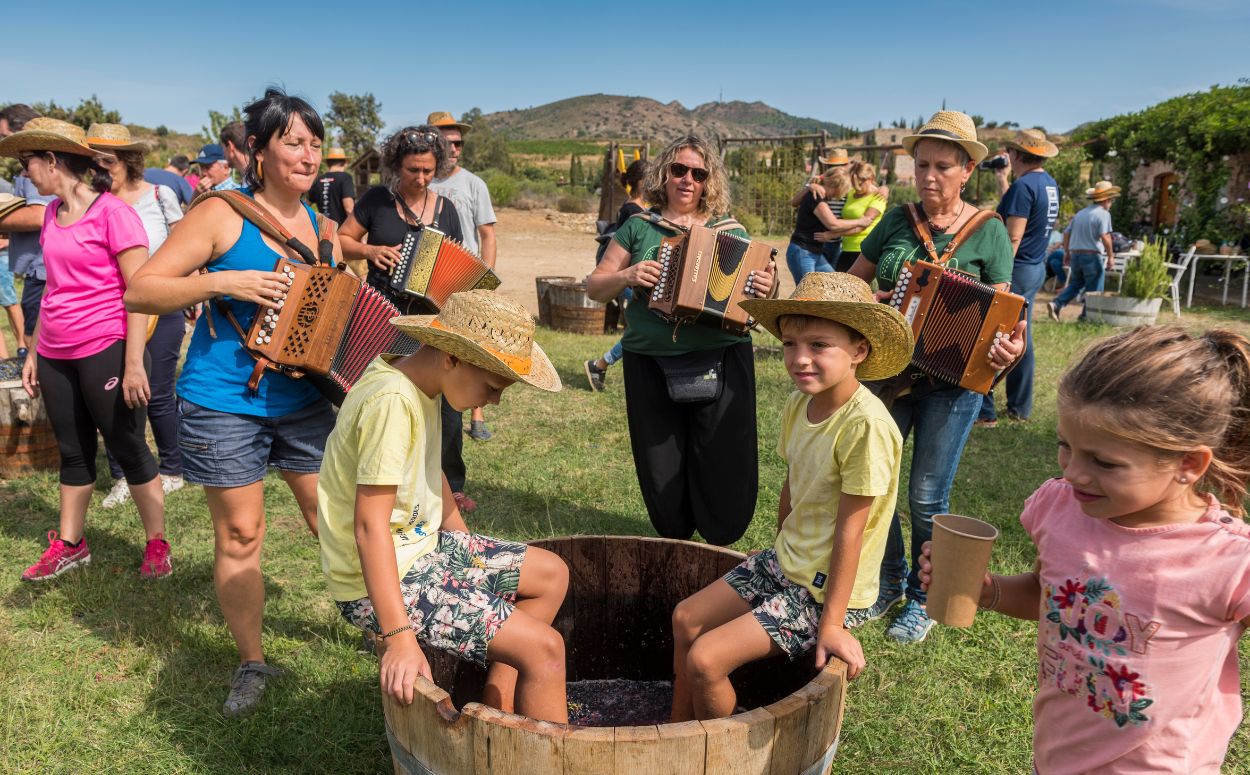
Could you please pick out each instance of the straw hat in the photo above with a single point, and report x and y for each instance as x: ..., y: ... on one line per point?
x: 953, y: 127
x: 444, y: 120
x: 486, y: 330
x: 836, y: 158
x: 113, y: 137
x: 1102, y: 191
x: 47, y: 134
x: 9, y: 203
x: 846, y: 299
x: 336, y: 154
x: 1033, y: 141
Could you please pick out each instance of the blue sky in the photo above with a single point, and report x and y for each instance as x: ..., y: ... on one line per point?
x: 1051, y: 64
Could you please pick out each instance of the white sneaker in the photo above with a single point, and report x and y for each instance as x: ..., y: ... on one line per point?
x: 118, y: 495
x: 171, y: 483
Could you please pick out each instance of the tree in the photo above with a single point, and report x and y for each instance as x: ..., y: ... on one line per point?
x: 483, y: 148
x: 977, y: 120
x: 212, y: 132
x: 356, y: 118
x: 89, y: 111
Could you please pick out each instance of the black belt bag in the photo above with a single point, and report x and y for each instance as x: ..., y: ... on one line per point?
x: 693, y: 378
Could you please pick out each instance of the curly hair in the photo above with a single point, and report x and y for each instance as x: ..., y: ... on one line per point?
x: 715, y: 198
x: 410, y: 140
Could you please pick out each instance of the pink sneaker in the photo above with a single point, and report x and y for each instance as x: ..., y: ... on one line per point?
x: 156, y: 559
x: 464, y: 502
x: 57, y: 558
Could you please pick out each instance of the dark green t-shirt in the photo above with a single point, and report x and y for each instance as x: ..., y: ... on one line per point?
x: 647, y: 333
x: 986, y: 255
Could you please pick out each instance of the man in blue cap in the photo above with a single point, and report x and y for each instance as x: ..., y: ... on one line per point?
x: 214, y: 170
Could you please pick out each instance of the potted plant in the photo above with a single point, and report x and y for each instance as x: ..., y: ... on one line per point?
x: 1146, y: 284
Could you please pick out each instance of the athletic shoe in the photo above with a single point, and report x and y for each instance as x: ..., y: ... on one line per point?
x: 478, y: 430
x: 886, y: 599
x: 912, y: 624
x: 57, y: 559
x: 464, y: 502
x: 156, y: 559
x: 596, y: 376
x: 171, y: 483
x: 979, y: 423
x: 1052, y: 311
x: 247, y: 685
x: 118, y: 495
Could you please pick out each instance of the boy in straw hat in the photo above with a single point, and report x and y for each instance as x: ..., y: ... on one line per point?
x: 843, y: 450
x: 1087, y: 244
x: 396, y: 553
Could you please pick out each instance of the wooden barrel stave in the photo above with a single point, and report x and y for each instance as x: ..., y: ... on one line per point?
x: 541, y: 287
x: 27, y: 442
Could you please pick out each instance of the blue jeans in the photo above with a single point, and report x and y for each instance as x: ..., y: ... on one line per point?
x: 1088, y: 272
x: 940, y: 417
x: 615, y: 354
x: 802, y: 261
x: 1054, y: 262
x: 221, y: 449
x: 832, y: 251
x: 1026, y: 280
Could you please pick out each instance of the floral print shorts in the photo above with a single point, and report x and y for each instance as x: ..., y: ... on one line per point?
x: 786, y: 611
x: 457, y: 596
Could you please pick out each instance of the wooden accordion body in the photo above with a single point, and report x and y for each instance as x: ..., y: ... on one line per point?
x: 433, y: 266
x: 955, y: 319
x: 703, y: 277
x: 330, y: 327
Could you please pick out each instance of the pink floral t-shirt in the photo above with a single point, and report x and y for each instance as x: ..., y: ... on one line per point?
x: 1137, y: 639
x: 81, y: 312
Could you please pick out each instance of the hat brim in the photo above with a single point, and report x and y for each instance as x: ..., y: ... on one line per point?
x: 336, y: 158
x: 9, y: 203
x: 464, y: 128
x: 976, y: 151
x: 542, y: 374
x: 40, y: 140
x: 840, y: 162
x: 885, y: 329
x: 1047, y: 151
x: 108, y: 146
x: 1103, y: 195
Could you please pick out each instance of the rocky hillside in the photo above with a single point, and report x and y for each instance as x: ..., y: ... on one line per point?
x: 606, y: 116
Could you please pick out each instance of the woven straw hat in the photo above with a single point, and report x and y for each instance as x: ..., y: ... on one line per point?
x: 846, y: 299
x: 113, y: 137
x: 444, y: 120
x: 9, y: 203
x: 953, y: 127
x: 486, y: 330
x: 47, y: 134
x: 836, y: 158
x: 1033, y: 141
x: 1102, y: 191
x: 336, y: 154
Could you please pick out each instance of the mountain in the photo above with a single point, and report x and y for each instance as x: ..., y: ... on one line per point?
x: 607, y: 116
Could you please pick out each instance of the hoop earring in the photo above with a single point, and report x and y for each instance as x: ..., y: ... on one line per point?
x: 260, y: 172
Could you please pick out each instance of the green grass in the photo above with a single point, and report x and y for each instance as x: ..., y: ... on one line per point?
x: 104, y: 673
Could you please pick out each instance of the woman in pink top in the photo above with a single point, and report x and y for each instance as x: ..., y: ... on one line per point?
x: 90, y: 353
x: 1142, y: 584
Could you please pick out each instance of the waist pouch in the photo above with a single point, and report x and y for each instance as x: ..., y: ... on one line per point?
x: 693, y: 378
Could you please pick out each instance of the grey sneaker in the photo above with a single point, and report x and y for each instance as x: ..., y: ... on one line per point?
x: 118, y: 495
x: 170, y: 483
x: 478, y: 431
x: 886, y: 599
x: 596, y: 376
x: 247, y: 686
x: 1052, y: 311
x: 911, y: 625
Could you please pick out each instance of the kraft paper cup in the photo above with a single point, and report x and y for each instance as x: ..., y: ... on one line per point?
x: 960, y: 555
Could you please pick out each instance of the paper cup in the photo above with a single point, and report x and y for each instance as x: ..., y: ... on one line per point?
x: 960, y: 555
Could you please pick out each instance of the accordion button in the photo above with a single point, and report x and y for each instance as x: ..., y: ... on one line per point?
x: 260, y: 340
x: 266, y: 340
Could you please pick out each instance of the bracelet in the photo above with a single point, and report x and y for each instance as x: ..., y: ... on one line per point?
x: 395, y: 631
x: 998, y: 595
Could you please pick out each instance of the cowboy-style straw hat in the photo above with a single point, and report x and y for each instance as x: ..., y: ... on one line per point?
x: 1033, y: 141
x: 1102, y: 191
x: 113, y: 137
x: 846, y: 299
x: 9, y: 203
x: 444, y: 120
x: 336, y: 154
x: 836, y: 158
x: 489, y: 331
x: 953, y: 127
x: 47, y: 134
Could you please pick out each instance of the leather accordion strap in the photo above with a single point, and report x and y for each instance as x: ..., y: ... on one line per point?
x: 920, y: 228
x: 660, y: 220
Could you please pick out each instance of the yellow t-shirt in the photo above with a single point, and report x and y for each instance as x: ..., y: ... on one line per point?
x: 856, y: 450
x: 856, y: 206
x: 387, y: 432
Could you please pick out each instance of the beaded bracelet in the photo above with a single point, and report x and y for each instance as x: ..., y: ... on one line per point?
x: 395, y: 631
x: 998, y: 594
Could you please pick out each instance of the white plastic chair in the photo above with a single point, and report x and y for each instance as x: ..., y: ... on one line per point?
x: 1117, y: 267
x: 1181, y: 267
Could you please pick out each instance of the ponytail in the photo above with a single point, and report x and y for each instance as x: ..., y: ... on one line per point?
x: 87, y: 170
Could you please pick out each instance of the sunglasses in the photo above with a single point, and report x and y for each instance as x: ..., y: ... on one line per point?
x: 24, y: 159
x: 677, y: 171
x: 456, y: 143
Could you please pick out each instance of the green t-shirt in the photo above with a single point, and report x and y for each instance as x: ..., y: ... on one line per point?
x: 647, y: 333
x: 987, y: 255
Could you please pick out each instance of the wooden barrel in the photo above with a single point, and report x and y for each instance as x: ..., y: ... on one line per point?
x: 542, y: 285
x: 27, y: 443
x: 616, y: 623
x: 572, y: 310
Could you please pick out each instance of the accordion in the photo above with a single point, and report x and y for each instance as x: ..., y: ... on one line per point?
x: 955, y: 319
x: 704, y: 275
x: 329, y: 328
x: 432, y: 267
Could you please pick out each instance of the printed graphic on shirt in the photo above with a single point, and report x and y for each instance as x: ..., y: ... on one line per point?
x: 413, y: 529
x: 1084, y: 630
x: 1052, y: 208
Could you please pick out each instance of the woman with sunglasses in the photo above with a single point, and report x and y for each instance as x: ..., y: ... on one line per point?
x: 864, y: 207
x: 696, y: 462
x: 88, y: 353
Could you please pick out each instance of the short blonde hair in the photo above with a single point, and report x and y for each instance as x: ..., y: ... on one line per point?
x: 715, y: 198
x: 837, y: 182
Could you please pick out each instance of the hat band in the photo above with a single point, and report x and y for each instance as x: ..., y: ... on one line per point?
x: 518, y: 364
x: 106, y: 141
x: 943, y: 133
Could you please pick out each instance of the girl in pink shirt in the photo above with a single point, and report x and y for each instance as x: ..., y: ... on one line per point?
x: 1141, y: 588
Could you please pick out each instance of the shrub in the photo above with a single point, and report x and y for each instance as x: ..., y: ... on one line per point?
x: 502, y: 187
x: 901, y: 195
x: 752, y: 223
x: 574, y: 203
x: 1146, y: 277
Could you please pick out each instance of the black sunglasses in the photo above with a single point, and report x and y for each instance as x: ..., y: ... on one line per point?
x: 24, y: 159
x: 456, y: 143
x: 677, y: 171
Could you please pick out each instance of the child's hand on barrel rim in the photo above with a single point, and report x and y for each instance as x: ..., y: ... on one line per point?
x: 837, y: 641
x: 402, y: 661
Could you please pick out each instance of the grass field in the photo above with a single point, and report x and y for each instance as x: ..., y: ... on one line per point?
x: 103, y: 673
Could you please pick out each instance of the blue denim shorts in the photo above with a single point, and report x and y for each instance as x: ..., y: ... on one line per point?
x: 220, y: 449
x: 8, y: 294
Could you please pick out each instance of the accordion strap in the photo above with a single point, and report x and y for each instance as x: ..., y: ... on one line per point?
x: 652, y: 217
x: 920, y: 228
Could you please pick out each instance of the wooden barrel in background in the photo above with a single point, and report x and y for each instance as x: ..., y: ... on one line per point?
x: 572, y: 310
x: 27, y: 444
x: 616, y: 623
x: 542, y: 284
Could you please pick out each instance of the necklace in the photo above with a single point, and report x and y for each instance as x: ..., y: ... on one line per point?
x: 425, y: 204
x: 942, y: 229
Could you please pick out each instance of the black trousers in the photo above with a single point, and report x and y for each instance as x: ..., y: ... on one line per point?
x: 453, y: 446
x: 163, y: 348
x: 83, y: 394
x: 32, y: 300
x: 697, y: 464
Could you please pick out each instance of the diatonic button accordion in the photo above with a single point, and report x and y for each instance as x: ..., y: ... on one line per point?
x: 704, y: 274
x: 433, y: 266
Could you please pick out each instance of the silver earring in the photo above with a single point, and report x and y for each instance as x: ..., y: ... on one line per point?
x: 1184, y: 480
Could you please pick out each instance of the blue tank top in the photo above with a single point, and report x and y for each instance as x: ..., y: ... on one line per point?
x: 216, y: 371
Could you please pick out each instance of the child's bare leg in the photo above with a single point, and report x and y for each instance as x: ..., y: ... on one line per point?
x: 540, y: 592
x: 536, y: 651
x: 703, y: 611
x: 718, y: 653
